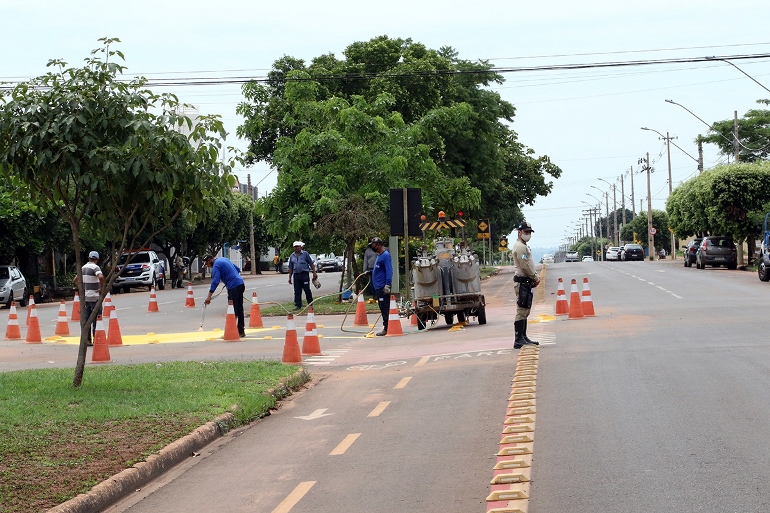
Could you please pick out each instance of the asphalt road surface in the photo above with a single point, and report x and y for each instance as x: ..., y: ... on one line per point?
x: 659, y: 403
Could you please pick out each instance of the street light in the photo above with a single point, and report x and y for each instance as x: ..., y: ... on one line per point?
x: 739, y: 69
x: 614, y: 212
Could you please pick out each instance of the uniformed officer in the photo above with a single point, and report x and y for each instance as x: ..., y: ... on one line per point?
x: 525, y: 279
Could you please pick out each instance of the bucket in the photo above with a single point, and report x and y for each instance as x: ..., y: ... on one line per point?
x: 347, y: 294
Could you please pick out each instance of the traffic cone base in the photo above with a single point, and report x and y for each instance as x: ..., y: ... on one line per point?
x: 587, y: 302
x: 255, y: 317
x: 311, y: 346
x: 562, y: 305
x: 361, y: 319
x: 231, y: 326
x: 100, y: 353
x: 12, y: 332
x: 291, y: 352
x: 62, y: 324
x: 394, y: 322
x: 575, y: 308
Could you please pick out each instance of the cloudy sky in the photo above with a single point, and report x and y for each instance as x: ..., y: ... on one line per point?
x: 587, y: 121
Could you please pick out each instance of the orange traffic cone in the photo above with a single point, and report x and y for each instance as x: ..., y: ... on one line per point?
x: 75, y: 308
x: 575, y: 308
x: 189, y: 301
x: 255, y: 317
x: 101, y: 352
x: 394, y: 323
x: 62, y: 325
x: 12, y: 332
x: 291, y: 352
x: 311, y: 346
x: 361, y: 319
x: 414, y: 322
x: 153, y: 306
x: 562, y: 306
x: 30, y: 306
x: 231, y: 327
x: 114, y: 338
x: 587, y: 302
x: 107, y: 306
x: 33, y: 329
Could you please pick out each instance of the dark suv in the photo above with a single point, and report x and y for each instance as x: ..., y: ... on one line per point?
x: 690, y: 251
x: 632, y: 252
x: 717, y: 250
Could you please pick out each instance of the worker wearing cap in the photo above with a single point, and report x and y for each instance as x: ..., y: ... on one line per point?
x: 224, y: 270
x: 524, y: 280
x: 300, y: 267
x: 382, y: 278
x: 93, y: 281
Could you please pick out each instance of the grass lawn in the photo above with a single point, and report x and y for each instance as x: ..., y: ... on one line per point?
x: 57, y: 441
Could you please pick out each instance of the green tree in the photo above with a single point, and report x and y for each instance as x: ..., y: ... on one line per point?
x: 636, y: 230
x: 421, y: 114
x: 753, y: 134
x: 100, y: 149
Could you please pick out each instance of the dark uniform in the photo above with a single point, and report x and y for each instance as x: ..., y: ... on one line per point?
x: 524, y: 281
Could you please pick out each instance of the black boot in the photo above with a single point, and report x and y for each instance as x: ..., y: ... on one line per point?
x: 526, y: 338
x: 518, y: 327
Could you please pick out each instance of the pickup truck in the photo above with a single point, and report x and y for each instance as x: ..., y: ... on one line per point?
x: 145, y: 269
x: 572, y: 256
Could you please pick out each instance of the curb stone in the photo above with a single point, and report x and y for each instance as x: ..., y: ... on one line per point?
x: 129, y: 480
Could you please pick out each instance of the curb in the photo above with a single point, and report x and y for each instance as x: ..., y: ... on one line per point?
x: 129, y: 480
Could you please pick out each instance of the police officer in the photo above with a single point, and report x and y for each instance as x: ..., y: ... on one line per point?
x: 524, y: 280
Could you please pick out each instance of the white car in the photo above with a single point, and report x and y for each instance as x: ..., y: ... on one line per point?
x: 588, y: 258
x: 547, y: 258
x: 613, y: 253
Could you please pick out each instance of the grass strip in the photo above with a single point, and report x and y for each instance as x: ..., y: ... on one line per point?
x: 57, y: 441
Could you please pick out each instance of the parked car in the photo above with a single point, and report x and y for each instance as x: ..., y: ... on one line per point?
x: 631, y: 252
x: 548, y: 258
x: 572, y: 256
x: 588, y: 258
x: 612, y: 253
x: 328, y: 263
x: 690, y: 251
x: 715, y: 251
x: 144, y: 270
x: 13, y: 286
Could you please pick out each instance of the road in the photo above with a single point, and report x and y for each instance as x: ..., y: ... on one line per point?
x: 656, y: 404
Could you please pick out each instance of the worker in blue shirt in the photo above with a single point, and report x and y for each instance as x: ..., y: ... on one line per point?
x: 224, y: 270
x: 382, y: 279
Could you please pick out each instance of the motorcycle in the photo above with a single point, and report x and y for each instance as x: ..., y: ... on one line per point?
x: 179, y: 273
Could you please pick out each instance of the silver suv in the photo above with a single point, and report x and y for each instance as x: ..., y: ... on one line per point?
x: 144, y: 270
x: 13, y: 285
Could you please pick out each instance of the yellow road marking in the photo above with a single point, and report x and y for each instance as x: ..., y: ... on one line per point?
x: 422, y: 361
x: 294, y: 497
x: 403, y: 382
x: 379, y: 409
x: 345, y: 444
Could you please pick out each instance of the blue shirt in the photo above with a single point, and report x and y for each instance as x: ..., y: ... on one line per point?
x: 301, y: 263
x: 224, y: 270
x: 382, y: 274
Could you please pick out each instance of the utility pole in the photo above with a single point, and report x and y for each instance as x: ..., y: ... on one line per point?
x: 254, y: 261
x: 633, y: 204
x: 650, y: 242
x: 700, y: 156
x: 736, y: 146
x: 623, y: 198
x: 615, y: 215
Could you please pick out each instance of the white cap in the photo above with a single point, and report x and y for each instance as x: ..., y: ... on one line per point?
x: 93, y: 254
x: 298, y: 243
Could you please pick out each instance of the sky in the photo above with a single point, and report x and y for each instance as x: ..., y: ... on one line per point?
x: 587, y: 121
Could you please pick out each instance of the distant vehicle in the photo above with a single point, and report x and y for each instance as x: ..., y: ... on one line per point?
x: 13, y: 286
x: 328, y: 263
x: 612, y: 253
x: 144, y: 270
x: 548, y: 258
x: 632, y: 252
x: 763, y: 268
x: 588, y: 258
x: 691, y: 250
x: 572, y: 256
x: 716, y: 251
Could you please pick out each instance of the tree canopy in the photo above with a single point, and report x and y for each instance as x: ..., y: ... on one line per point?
x: 753, y: 135
x: 391, y: 114
x: 96, y: 148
